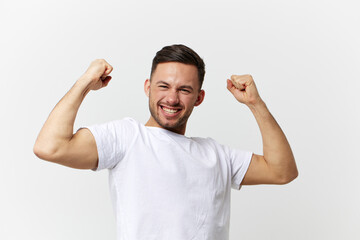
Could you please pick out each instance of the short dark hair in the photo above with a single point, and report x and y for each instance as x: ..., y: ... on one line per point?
x: 180, y: 53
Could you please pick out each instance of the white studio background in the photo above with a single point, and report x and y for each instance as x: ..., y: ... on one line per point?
x: 304, y: 57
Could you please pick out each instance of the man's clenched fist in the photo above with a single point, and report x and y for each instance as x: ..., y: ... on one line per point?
x: 244, y: 89
x: 97, y: 75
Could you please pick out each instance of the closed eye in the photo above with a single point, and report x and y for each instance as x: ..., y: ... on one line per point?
x: 185, y: 90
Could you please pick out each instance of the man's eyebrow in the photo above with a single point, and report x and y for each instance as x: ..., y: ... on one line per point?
x: 183, y: 86
x: 162, y: 82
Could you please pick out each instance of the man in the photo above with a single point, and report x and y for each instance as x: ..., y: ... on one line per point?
x: 163, y: 184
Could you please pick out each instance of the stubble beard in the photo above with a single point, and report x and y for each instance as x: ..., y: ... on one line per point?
x: 174, y: 127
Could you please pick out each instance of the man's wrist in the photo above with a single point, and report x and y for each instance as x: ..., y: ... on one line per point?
x: 258, y: 105
x: 84, y: 84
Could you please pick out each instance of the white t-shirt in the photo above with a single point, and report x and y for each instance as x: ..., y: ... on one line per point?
x: 165, y: 185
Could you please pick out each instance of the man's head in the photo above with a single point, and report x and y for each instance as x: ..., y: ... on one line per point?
x: 174, y: 87
x: 182, y: 54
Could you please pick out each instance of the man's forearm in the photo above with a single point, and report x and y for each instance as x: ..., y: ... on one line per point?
x: 58, y: 128
x: 276, y: 149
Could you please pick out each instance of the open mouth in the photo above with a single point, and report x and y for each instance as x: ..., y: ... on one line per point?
x: 170, y: 111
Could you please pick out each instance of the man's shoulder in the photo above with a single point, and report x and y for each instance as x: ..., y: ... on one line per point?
x: 126, y: 125
x: 124, y: 121
x: 212, y: 143
x: 205, y: 140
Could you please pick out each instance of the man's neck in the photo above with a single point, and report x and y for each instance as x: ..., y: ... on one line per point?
x: 152, y: 123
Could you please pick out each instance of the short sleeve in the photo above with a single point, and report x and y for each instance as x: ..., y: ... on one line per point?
x: 111, y: 139
x: 240, y: 161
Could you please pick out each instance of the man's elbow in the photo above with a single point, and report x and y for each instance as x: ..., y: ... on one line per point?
x: 44, y: 153
x: 289, y: 177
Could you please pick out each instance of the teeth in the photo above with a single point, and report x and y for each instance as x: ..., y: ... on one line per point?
x: 170, y: 110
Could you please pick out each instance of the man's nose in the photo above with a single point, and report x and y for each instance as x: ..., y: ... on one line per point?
x: 172, y: 98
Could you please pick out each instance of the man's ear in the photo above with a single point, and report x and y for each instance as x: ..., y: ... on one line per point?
x: 147, y: 87
x: 200, y: 98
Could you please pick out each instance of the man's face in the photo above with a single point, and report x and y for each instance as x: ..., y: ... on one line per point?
x: 173, y: 92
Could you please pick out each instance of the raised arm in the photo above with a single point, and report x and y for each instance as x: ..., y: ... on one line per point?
x: 277, y: 165
x: 56, y: 141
